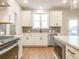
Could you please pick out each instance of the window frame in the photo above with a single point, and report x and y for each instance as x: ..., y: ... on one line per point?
x: 41, y: 21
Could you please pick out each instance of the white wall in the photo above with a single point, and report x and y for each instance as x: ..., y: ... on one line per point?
x: 15, y: 8
x: 66, y: 15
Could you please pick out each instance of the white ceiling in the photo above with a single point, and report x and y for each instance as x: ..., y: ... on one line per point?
x: 46, y: 4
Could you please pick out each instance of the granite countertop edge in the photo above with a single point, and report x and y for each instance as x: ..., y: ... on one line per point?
x: 66, y: 43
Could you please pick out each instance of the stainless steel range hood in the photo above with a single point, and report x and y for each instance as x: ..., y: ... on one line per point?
x: 4, y: 3
x: 5, y: 22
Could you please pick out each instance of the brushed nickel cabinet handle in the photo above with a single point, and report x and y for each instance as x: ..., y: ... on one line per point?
x: 40, y: 38
x: 71, y: 52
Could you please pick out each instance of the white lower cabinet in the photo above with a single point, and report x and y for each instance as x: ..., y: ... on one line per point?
x: 69, y: 56
x: 44, y: 40
x: 71, y: 53
x: 35, y: 39
x: 26, y: 40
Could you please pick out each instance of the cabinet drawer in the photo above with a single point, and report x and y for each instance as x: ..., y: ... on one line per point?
x: 73, y: 51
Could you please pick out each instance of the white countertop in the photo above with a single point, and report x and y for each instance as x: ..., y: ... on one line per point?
x: 71, y: 40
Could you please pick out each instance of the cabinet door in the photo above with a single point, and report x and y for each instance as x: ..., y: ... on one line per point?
x: 36, y: 40
x: 27, y: 39
x: 69, y: 56
x: 77, y: 56
x: 26, y: 18
x: 72, y: 52
x: 56, y: 18
x: 44, y: 40
x: 31, y: 39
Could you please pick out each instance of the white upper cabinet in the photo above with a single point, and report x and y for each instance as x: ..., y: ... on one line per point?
x: 55, y: 18
x: 26, y: 18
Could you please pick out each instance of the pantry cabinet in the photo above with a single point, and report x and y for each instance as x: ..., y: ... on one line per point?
x: 26, y: 18
x: 56, y: 18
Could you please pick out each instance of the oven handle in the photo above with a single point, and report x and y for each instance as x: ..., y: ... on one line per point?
x: 71, y: 52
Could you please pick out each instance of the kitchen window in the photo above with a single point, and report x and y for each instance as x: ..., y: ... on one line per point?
x: 40, y: 21
x: 73, y: 26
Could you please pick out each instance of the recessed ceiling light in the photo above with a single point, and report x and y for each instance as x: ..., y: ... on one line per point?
x: 3, y: 3
x: 74, y: 2
x: 40, y: 11
x: 40, y: 7
x: 64, y: 1
x: 75, y: 6
x: 25, y: 1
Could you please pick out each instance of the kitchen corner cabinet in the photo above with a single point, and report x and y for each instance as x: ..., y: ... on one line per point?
x: 71, y: 53
x: 26, y: 18
x: 12, y: 54
x: 56, y: 18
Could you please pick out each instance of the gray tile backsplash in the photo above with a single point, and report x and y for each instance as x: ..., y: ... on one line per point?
x: 29, y: 29
x: 26, y: 29
x: 56, y: 29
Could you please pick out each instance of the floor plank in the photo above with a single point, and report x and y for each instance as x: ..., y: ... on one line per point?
x: 38, y: 53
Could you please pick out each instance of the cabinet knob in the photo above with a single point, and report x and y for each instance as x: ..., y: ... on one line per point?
x: 57, y: 24
x: 27, y: 38
x: 40, y: 38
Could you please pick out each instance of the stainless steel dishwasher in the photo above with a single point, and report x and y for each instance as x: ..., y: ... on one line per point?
x: 51, y: 39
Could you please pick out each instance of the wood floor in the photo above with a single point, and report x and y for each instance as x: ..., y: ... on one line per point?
x: 38, y: 53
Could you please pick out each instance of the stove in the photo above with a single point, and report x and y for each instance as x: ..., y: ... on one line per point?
x: 6, y: 39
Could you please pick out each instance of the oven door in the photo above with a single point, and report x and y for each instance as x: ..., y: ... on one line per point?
x: 59, y: 50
